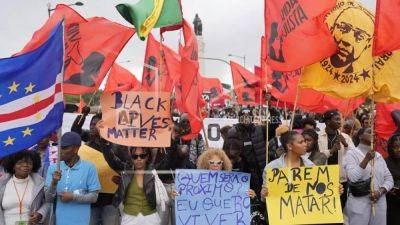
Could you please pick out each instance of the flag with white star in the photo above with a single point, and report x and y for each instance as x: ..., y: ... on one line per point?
x: 31, y: 100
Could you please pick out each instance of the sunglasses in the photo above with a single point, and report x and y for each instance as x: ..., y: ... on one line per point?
x: 216, y: 163
x: 142, y: 156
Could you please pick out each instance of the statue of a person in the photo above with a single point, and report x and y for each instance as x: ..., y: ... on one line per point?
x: 198, y: 26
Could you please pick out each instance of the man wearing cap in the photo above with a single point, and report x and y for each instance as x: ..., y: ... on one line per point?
x: 75, y: 186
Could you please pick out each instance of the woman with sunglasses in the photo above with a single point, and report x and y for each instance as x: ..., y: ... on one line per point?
x: 216, y: 159
x: 136, y: 190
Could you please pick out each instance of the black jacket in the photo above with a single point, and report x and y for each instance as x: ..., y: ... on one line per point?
x: 252, y: 139
x: 126, y: 170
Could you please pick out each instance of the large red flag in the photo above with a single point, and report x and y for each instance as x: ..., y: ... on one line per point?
x: 284, y: 88
x: 120, y: 79
x: 387, y: 24
x: 245, y: 84
x: 91, y: 47
x: 296, y: 33
x: 156, y: 57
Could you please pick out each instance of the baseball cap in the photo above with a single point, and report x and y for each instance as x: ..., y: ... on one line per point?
x: 71, y: 139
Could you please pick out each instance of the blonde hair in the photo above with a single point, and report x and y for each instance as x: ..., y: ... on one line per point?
x: 204, y: 158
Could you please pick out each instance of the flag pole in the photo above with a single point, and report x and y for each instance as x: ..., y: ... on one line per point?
x: 59, y: 132
x: 295, y: 105
x: 372, y: 122
x: 267, y: 131
x: 204, y: 130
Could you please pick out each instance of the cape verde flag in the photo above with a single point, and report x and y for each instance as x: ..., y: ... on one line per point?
x: 31, y: 99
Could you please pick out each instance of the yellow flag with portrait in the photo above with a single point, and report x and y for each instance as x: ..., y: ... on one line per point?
x: 352, y: 71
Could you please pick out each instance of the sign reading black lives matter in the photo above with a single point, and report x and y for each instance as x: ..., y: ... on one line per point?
x: 212, y: 198
x: 305, y: 195
x: 136, y: 118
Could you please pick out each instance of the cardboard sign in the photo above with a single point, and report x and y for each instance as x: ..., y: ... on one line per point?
x: 136, y: 118
x: 212, y: 197
x: 305, y: 195
x: 103, y: 169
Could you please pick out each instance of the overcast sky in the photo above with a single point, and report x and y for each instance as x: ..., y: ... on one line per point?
x: 229, y: 27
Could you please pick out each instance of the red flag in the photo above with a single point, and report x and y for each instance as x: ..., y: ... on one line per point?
x: 284, y: 87
x: 91, y: 46
x: 120, y: 79
x: 297, y: 34
x: 211, y: 87
x: 245, y: 84
x: 190, y: 89
x: 385, y: 125
x: 387, y: 24
x: 156, y: 57
x: 190, y: 50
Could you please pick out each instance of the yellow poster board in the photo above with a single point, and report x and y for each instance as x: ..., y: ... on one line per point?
x: 305, y: 195
x: 103, y: 169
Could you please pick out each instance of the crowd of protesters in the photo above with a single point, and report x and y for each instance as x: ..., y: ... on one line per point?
x: 35, y: 190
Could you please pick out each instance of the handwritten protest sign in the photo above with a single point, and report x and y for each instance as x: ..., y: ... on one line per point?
x: 136, y: 118
x: 306, y: 195
x: 212, y: 198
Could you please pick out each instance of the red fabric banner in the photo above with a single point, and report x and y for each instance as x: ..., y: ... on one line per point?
x: 189, y: 88
x: 211, y: 87
x: 245, y: 84
x: 120, y: 79
x: 387, y: 24
x: 156, y: 57
x: 297, y: 34
x: 284, y: 86
x: 91, y: 46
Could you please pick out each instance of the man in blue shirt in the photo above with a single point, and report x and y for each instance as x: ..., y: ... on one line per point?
x: 75, y: 185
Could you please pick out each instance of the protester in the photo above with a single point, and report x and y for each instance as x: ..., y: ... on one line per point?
x: 251, y: 140
x: 393, y: 164
x: 334, y: 144
x: 137, y: 188
x: 274, y: 145
x: 43, y: 148
x: 308, y: 123
x: 224, y: 131
x: 74, y: 186
x: 313, y: 153
x: 102, y: 211
x: 216, y: 159
x: 22, y: 190
x: 295, y: 148
x: 80, y: 120
x: 360, y: 173
x: 351, y: 126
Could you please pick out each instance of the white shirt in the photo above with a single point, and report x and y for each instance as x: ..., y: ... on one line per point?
x: 10, y: 202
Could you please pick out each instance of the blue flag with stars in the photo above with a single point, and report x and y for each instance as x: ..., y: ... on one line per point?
x: 31, y: 97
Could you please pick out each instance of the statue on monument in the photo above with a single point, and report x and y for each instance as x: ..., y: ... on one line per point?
x: 198, y: 26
